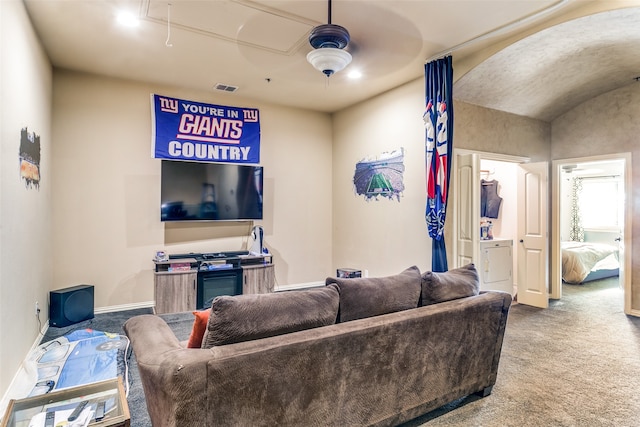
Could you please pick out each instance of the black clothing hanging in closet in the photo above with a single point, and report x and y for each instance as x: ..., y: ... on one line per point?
x: 489, y: 200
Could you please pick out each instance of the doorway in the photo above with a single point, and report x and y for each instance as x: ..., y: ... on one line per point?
x: 591, y: 213
x: 472, y: 168
x: 521, y: 222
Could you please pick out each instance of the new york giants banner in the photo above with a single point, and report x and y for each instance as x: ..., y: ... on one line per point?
x: 438, y: 122
x: 188, y: 130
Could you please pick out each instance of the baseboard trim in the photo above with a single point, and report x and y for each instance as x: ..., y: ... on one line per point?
x: 633, y: 312
x: 299, y: 286
x: 18, y: 388
x: 124, y: 307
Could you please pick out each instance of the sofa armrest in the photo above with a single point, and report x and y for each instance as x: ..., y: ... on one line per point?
x: 151, y: 332
x: 169, y: 372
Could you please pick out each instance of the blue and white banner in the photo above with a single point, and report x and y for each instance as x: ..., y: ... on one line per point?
x: 438, y: 122
x: 188, y: 130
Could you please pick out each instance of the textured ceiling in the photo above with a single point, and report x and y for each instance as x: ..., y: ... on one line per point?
x: 550, y: 72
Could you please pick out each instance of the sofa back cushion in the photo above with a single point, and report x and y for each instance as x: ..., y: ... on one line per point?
x: 366, y: 297
x: 253, y: 316
x: 453, y: 284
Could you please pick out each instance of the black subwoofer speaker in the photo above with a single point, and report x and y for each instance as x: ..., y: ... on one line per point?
x: 70, y: 305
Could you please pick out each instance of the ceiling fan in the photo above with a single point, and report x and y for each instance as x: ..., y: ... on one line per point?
x: 569, y: 168
x: 328, y: 41
x: 582, y: 169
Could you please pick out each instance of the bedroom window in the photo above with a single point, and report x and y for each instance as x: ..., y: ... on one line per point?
x: 601, y: 203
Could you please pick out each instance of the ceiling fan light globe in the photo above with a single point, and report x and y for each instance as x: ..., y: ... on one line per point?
x: 329, y: 60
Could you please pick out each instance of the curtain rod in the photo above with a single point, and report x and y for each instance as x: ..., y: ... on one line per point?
x: 492, y: 33
x: 599, y: 177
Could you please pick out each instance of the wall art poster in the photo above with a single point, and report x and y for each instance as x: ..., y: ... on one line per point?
x: 29, y: 157
x: 381, y: 176
x: 188, y: 130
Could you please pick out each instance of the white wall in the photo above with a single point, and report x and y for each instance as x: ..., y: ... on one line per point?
x: 506, y: 173
x: 106, y: 208
x: 25, y: 224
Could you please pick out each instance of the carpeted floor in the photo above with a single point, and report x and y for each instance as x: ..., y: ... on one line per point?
x: 180, y: 323
x: 574, y: 364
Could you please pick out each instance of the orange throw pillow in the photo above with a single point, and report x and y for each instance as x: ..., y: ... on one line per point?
x: 199, y: 328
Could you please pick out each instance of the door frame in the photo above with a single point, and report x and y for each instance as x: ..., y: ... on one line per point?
x: 556, y: 258
x: 483, y: 155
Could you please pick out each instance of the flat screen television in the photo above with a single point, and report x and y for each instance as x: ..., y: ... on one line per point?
x: 192, y: 191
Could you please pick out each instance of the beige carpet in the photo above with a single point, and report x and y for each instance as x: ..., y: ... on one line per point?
x: 574, y: 364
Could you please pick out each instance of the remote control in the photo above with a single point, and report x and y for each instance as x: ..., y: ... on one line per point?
x: 100, y: 411
x: 49, y: 419
x: 76, y: 412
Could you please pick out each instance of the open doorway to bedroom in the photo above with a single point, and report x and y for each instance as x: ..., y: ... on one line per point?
x: 591, y: 225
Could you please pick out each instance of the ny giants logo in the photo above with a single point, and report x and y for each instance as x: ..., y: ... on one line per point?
x: 209, y: 123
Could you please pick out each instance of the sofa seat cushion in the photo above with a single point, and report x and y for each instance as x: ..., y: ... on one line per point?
x: 248, y: 317
x: 366, y: 297
x: 453, y: 284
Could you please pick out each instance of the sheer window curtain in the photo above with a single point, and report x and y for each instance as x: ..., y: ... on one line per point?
x: 576, y: 230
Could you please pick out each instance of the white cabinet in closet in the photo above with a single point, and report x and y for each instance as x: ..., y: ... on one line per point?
x: 496, y: 265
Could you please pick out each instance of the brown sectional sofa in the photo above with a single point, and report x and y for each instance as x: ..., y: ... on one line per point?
x: 356, y: 352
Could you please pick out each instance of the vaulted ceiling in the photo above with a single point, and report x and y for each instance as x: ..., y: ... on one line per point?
x: 260, y: 46
x: 549, y: 72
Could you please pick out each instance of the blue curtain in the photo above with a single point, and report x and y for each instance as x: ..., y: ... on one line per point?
x: 438, y: 122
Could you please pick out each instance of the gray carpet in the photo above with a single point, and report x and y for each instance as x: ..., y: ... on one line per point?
x: 574, y: 364
x: 112, y: 322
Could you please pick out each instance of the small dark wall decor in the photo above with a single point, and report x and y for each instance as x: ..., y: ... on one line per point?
x: 30, y: 158
x: 381, y: 177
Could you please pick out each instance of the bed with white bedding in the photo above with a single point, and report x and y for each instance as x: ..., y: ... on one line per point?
x: 583, y: 261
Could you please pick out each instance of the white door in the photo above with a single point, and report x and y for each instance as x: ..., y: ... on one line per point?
x: 467, y: 203
x: 532, y: 234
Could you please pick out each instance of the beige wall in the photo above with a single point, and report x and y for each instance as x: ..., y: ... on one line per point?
x: 104, y: 175
x: 386, y: 236
x: 106, y: 208
x: 383, y: 236
x: 25, y: 224
x: 608, y: 124
x: 491, y: 131
x: 100, y: 186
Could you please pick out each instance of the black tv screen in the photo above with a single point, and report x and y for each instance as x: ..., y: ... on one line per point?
x: 193, y: 191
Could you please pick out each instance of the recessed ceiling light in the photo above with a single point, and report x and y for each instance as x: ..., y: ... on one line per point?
x: 355, y: 74
x: 128, y: 19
